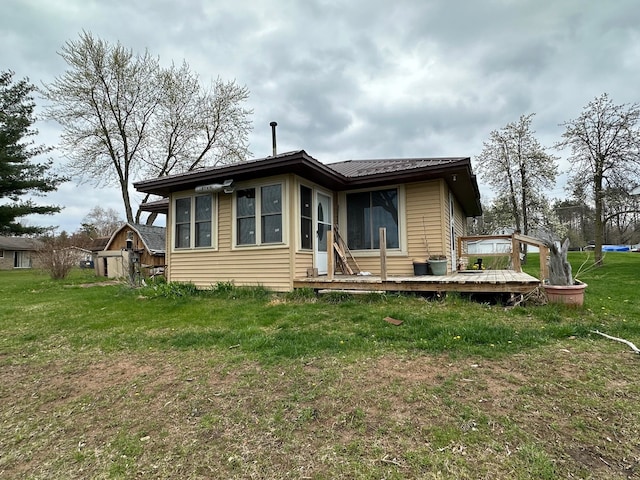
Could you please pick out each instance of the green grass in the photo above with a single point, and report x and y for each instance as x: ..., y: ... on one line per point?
x: 169, y: 382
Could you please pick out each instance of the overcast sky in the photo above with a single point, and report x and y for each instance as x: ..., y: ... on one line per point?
x: 355, y: 78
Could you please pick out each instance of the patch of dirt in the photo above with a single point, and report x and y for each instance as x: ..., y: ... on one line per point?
x: 97, y: 284
x: 186, y: 410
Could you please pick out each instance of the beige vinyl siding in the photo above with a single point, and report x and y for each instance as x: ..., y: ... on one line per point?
x: 426, y: 210
x: 267, y: 265
x: 459, y: 226
x: 303, y: 261
x: 269, y: 268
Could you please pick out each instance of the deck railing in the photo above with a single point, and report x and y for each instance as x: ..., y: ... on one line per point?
x: 516, y: 240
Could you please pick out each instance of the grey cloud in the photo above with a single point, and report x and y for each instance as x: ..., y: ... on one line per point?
x: 354, y: 79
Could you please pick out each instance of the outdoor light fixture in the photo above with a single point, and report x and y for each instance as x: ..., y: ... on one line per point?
x: 226, y: 187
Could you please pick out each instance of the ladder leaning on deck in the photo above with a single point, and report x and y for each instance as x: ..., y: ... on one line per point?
x: 342, y: 251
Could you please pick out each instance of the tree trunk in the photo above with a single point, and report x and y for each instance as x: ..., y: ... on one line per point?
x: 525, y: 210
x: 127, y: 202
x: 151, y: 218
x: 559, y: 267
x: 598, y: 224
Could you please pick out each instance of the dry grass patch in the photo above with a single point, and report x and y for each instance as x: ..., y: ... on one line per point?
x: 552, y: 413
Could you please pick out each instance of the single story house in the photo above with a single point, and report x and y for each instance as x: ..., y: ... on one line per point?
x: 132, y: 246
x: 265, y: 221
x: 83, y: 256
x: 18, y: 252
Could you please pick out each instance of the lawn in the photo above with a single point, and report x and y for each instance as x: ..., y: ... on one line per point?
x: 103, y: 381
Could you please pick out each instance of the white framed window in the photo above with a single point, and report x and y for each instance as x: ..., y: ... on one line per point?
x: 259, y: 212
x: 21, y: 259
x: 306, y: 218
x: 369, y: 210
x: 194, y: 222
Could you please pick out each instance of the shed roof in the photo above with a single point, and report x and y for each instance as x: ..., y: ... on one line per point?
x: 152, y: 237
x: 98, y: 244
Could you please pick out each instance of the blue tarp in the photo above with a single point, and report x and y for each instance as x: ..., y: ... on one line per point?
x: 615, y: 248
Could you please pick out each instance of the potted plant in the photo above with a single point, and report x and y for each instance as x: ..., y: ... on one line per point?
x: 561, y: 287
x: 421, y: 266
x: 438, y: 264
x: 433, y: 264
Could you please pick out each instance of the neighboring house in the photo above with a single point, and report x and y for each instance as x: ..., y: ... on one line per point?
x: 264, y: 221
x: 18, y: 252
x: 135, y: 246
x: 82, y: 256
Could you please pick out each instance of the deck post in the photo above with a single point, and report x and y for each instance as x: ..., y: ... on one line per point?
x: 383, y: 254
x: 515, y: 254
x: 544, y: 264
x: 330, y: 257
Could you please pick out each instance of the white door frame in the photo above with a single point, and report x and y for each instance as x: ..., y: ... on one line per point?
x: 452, y: 228
x: 322, y: 222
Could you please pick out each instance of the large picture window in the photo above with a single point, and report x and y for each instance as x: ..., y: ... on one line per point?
x: 194, y: 222
x: 366, y: 213
x: 263, y: 204
x: 21, y: 259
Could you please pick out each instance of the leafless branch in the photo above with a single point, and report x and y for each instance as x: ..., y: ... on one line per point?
x: 617, y: 339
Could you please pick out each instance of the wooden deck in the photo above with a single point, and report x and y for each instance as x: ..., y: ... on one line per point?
x: 486, y: 281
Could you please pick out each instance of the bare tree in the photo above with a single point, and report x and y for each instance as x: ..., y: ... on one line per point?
x: 518, y: 168
x: 620, y: 217
x: 123, y: 115
x: 605, y: 152
x: 104, y: 102
x: 101, y: 222
x: 195, y: 127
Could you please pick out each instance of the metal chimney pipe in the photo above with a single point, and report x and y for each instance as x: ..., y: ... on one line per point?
x: 273, y: 138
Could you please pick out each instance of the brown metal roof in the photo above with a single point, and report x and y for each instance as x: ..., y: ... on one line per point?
x: 157, y: 206
x: 298, y: 162
x: 361, y: 168
x: 340, y: 176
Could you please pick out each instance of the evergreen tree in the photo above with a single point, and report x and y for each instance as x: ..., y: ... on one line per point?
x: 19, y: 174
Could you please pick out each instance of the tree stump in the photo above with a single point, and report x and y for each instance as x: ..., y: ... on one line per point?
x: 559, y: 267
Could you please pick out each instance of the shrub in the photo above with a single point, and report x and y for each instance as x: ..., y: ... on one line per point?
x: 56, y: 257
x: 172, y: 290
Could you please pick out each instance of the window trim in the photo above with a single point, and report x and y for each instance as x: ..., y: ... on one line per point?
x: 192, y: 222
x: 401, y: 250
x: 300, y: 217
x: 258, y: 215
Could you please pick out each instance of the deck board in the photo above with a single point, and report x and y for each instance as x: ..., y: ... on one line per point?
x: 489, y: 281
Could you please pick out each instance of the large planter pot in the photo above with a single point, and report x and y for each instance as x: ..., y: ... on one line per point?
x: 566, y: 294
x: 420, y: 268
x: 438, y: 267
